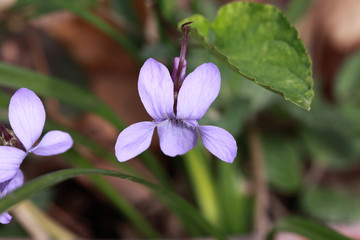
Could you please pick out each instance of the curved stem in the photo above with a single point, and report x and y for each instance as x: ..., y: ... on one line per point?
x: 177, y: 79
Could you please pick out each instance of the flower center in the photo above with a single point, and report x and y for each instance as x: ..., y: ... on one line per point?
x: 8, y: 138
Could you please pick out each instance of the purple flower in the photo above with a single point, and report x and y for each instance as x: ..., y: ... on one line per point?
x: 27, y: 119
x: 176, y: 105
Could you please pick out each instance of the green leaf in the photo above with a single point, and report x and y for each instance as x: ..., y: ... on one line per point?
x: 331, y: 148
x: 101, y: 24
x: 168, y: 9
x: 16, y: 77
x: 347, y: 85
x: 306, y: 228
x: 51, y: 179
x: 81, y: 8
x: 258, y: 42
x: 235, y: 201
x: 127, y: 11
x: 35, y: 8
x: 283, y: 166
x: 198, y: 168
x: 324, y: 137
x: 328, y: 204
x: 114, y: 196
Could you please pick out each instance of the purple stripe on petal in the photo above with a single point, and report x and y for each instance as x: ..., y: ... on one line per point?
x: 156, y: 90
x: 219, y: 142
x: 198, y: 91
x: 26, y: 116
x: 54, y: 142
x: 10, y: 160
x: 176, y: 137
x: 133, y: 140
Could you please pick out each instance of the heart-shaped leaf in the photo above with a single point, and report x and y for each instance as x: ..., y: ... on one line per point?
x: 258, y: 42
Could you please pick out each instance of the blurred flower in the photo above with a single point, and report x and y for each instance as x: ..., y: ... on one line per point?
x: 27, y: 119
x: 176, y: 105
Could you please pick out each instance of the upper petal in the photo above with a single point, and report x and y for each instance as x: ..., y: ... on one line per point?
x: 176, y: 137
x: 10, y: 160
x: 54, y: 142
x: 26, y: 116
x: 133, y: 140
x: 198, y: 91
x: 156, y: 90
x: 219, y: 142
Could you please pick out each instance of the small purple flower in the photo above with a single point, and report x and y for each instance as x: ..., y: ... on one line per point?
x: 176, y: 104
x: 27, y: 119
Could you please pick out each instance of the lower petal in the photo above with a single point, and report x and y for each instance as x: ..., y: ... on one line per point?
x: 14, y: 183
x: 54, y: 142
x: 176, y: 137
x: 5, y: 218
x: 10, y: 160
x: 133, y: 140
x: 7, y: 187
x: 219, y: 142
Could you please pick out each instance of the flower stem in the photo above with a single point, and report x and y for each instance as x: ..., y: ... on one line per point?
x: 186, y: 30
x: 202, y: 183
x: 177, y: 81
x: 261, y: 221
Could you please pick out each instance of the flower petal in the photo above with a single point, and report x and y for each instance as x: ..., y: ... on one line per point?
x: 133, y: 140
x: 54, y: 142
x: 5, y: 218
x: 16, y: 182
x: 26, y: 116
x: 13, y: 184
x: 7, y: 187
x: 219, y: 142
x: 198, y: 91
x: 176, y: 137
x: 156, y: 90
x: 10, y: 160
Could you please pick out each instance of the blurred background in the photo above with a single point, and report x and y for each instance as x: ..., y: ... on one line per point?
x: 309, y: 161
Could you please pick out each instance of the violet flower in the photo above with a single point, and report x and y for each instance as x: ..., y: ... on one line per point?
x: 27, y: 119
x: 176, y: 104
